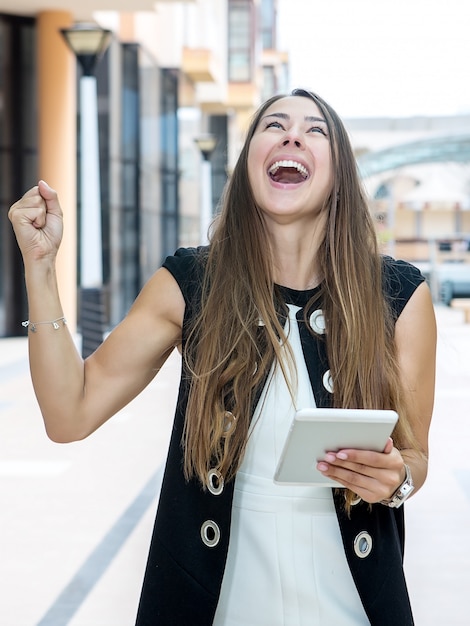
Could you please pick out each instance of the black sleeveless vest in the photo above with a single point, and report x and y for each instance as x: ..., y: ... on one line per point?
x: 186, y: 561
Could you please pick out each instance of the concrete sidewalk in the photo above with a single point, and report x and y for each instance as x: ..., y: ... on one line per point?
x: 438, y: 520
x: 76, y: 519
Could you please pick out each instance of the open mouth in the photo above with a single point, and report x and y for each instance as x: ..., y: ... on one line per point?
x: 288, y: 172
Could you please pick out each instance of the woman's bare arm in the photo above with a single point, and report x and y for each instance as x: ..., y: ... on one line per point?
x: 77, y: 396
x: 375, y: 476
x: 416, y: 337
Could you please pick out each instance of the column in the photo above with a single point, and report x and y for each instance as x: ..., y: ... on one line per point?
x: 57, y: 142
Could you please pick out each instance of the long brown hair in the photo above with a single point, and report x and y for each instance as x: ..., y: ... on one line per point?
x: 229, y: 351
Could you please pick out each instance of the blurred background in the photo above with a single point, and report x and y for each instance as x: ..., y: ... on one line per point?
x: 135, y: 111
x: 147, y: 148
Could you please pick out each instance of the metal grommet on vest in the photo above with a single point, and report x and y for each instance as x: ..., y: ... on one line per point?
x: 363, y: 544
x: 215, y: 482
x: 328, y: 381
x: 210, y: 533
x: 230, y: 421
x: 317, y: 322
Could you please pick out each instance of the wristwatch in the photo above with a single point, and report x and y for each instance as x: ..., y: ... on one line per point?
x: 402, y: 493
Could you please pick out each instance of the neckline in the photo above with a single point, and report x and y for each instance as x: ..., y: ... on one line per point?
x: 296, y: 296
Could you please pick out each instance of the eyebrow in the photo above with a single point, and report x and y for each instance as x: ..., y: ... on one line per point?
x: 285, y: 116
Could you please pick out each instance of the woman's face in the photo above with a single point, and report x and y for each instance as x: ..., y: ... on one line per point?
x: 289, y: 160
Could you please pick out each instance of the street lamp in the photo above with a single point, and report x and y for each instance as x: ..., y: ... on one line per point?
x: 89, y: 42
x: 206, y: 144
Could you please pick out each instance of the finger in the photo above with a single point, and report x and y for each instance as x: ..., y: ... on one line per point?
x: 384, y: 479
x: 30, y: 198
x: 30, y: 210
x: 344, y: 470
x: 49, y: 199
x: 34, y: 191
x: 368, y: 487
x: 50, y: 196
x: 362, y: 484
x: 366, y: 457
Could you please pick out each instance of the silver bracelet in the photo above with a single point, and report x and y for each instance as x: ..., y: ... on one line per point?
x: 55, y: 324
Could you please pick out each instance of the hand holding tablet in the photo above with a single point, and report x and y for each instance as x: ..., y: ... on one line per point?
x: 315, y: 432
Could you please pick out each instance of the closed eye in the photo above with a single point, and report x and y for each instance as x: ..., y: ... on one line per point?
x: 275, y: 124
x: 313, y: 129
x: 318, y: 129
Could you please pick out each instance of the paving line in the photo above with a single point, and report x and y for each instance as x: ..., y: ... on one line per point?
x: 74, y: 594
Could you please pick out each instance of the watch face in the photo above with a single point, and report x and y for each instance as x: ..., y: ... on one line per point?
x: 406, y: 489
x: 403, y: 491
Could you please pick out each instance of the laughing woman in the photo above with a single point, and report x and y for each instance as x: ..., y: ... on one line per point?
x: 290, y: 306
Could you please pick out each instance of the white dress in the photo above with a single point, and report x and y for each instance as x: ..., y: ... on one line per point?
x: 286, y: 564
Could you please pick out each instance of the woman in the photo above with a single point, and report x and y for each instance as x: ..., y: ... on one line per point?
x: 290, y: 306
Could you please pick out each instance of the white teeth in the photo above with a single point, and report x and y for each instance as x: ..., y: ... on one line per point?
x: 288, y: 163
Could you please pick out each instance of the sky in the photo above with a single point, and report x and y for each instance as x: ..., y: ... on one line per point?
x: 373, y: 58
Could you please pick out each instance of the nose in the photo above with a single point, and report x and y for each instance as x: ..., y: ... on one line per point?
x: 293, y: 137
x: 296, y: 142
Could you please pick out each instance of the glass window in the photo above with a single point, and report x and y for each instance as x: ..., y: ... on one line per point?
x: 130, y: 198
x: 149, y: 173
x: 240, y: 41
x: 268, y: 24
x: 102, y: 73
x: 18, y: 155
x: 269, y: 82
x: 169, y: 161
x: 218, y: 126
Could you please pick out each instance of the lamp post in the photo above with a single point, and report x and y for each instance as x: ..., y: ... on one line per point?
x: 206, y: 144
x: 89, y: 42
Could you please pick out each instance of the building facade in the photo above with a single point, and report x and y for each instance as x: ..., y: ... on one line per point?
x: 174, y: 71
x: 417, y: 175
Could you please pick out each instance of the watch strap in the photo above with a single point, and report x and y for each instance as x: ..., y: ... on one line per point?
x: 403, y: 491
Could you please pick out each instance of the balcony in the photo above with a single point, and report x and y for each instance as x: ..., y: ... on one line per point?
x: 243, y: 96
x: 199, y: 65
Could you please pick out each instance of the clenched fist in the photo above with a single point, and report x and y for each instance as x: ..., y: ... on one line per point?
x: 38, y: 223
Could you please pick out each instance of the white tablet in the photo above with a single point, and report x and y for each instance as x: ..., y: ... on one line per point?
x: 316, y: 431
